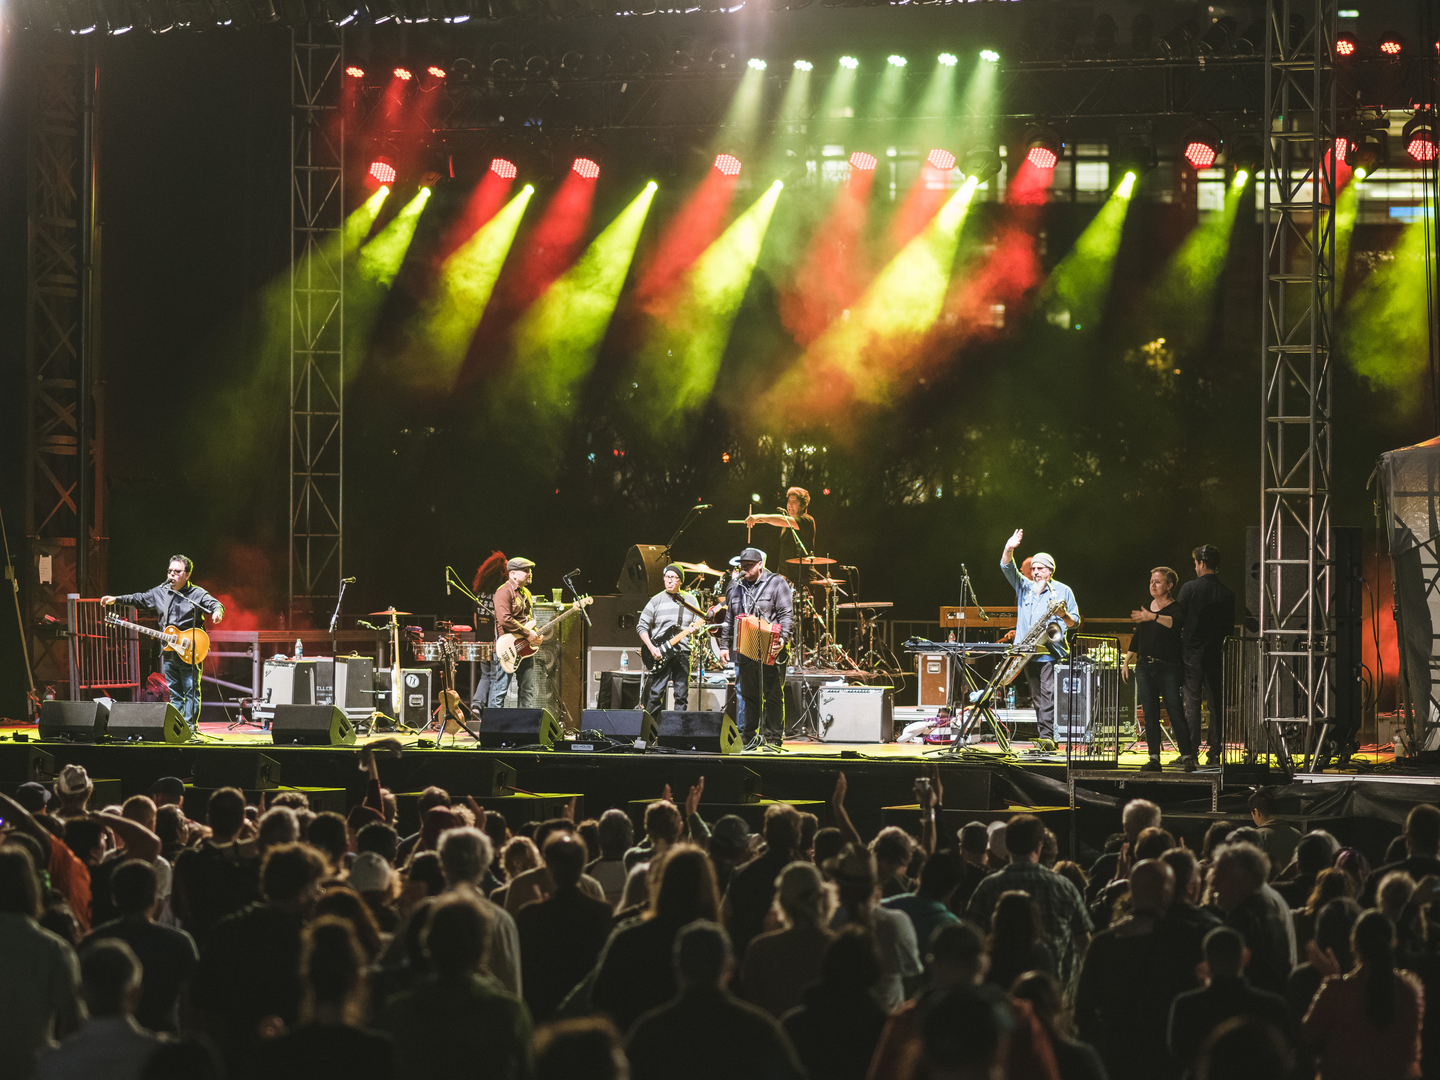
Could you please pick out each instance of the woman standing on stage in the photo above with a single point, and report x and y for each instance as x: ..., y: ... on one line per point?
x: 1159, y: 667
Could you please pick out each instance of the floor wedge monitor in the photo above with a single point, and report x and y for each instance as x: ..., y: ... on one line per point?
x: 311, y: 725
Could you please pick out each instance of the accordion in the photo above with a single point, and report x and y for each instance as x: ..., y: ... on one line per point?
x: 756, y: 638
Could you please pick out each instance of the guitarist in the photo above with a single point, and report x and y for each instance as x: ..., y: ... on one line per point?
x: 176, y: 602
x: 666, y: 615
x: 513, y: 608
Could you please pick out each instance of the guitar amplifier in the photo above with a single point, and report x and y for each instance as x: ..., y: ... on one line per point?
x: 861, y: 714
x: 286, y: 682
x: 346, y: 682
x: 560, y: 664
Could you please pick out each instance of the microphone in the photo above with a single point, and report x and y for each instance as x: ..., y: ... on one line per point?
x: 963, y: 570
x: 447, y: 583
x: 572, y: 573
x: 704, y: 506
x: 347, y: 581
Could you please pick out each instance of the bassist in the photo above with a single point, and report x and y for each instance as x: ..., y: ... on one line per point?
x: 179, y: 604
x: 514, y: 607
x: 667, y: 615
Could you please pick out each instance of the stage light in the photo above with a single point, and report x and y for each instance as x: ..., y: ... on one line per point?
x: 1201, y: 145
x: 404, y: 74
x: 948, y: 59
x: 1419, y: 137
x: 990, y: 55
x: 941, y: 159
x: 895, y: 61
x: 1134, y: 151
x: 863, y: 161
x: 438, y: 72
x: 1042, y: 158
x: 1042, y: 146
x: 1342, y: 148
x: 585, y: 168
x: 1346, y: 46
x: 849, y: 62
x: 382, y: 170
x: 1361, y: 173
x: 1126, y: 185
x: 1392, y: 45
x: 728, y: 164
x: 504, y: 168
x: 1370, y: 151
x: 1241, y: 179
x: 755, y: 64
x: 803, y: 65
x: 354, y: 72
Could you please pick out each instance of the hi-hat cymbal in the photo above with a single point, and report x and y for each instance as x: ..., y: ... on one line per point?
x: 698, y: 568
x: 392, y: 611
x: 870, y: 604
x: 813, y: 560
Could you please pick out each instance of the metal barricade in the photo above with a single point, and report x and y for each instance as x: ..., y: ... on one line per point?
x: 1087, y: 702
x: 102, y: 656
x: 1247, y: 739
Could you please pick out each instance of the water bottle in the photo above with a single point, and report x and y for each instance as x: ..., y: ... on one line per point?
x: 625, y: 660
x: 299, y: 648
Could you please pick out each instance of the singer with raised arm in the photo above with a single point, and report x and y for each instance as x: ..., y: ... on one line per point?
x: 757, y: 624
x: 1035, y: 601
x: 514, y: 611
x: 797, y: 533
x: 181, y: 606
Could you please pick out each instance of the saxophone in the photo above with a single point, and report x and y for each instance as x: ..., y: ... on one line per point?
x: 1051, y: 628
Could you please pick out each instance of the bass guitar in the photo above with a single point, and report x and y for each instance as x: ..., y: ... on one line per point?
x: 192, y: 646
x: 672, y: 639
x: 510, y: 649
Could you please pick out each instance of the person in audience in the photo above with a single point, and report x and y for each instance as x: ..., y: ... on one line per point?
x: 217, y: 877
x: 1138, y: 815
x: 247, y: 984
x: 372, y: 877
x: 1131, y: 974
x: 1226, y: 993
x: 1015, y: 945
x: 928, y: 907
x: 1184, y: 908
x: 1332, y: 942
x: 583, y: 1049
x: 854, y: 875
x: 730, y: 847
x: 738, y: 1039
x: 1074, y: 1060
x: 343, y: 902
x: 536, y: 883
x: 167, y: 955
x: 380, y: 838
x: 68, y: 876
x: 465, y: 855
x: 752, y: 889
x: 997, y: 853
x: 965, y: 1035
x: 1239, y: 878
x: 173, y: 829
x: 836, y: 1027
x: 780, y: 964
x: 519, y: 856
x: 331, y: 1038
x: 1355, y: 864
x: 973, y: 838
x: 893, y: 848
x: 635, y: 972
x: 616, y: 836
x: 278, y: 825
x: 809, y: 826
x: 562, y: 935
x: 1074, y: 873
x: 458, y: 1021
x: 662, y: 830
x: 1366, y: 1024
x: 422, y: 878
x: 329, y: 835
x: 73, y: 789
x: 1152, y: 843
x: 430, y: 798
x: 1314, y: 853
x: 296, y: 800
x: 829, y: 842
x: 1278, y: 839
x: 1422, y: 847
x: 34, y: 1010
x: 1244, y: 1048
x: 1330, y: 884
x: 1215, y: 835
x: 86, y: 836
x: 1062, y: 908
x: 109, y: 1044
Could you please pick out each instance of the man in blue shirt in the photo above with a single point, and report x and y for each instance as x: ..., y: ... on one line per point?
x: 1033, y: 600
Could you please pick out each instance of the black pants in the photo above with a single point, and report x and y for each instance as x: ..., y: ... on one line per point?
x: 1041, y: 677
x: 1205, y: 673
x: 1158, y: 679
x: 760, y: 694
x: 673, y: 669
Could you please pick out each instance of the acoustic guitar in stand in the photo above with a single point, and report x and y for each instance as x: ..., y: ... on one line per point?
x: 510, y: 649
x: 192, y: 646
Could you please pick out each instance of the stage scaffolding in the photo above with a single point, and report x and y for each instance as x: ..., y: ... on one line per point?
x: 1297, y: 639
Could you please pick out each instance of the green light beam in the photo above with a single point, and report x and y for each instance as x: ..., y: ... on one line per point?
x: 1182, y: 301
x: 380, y: 259
x: 559, y: 336
x: 743, y: 115
x: 934, y: 114
x: 797, y: 95
x: 837, y: 104
x: 1075, y: 294
x: 1346, y: 207
x: 360, y: 221
x: 1384, y: 336
x: 886, y: 102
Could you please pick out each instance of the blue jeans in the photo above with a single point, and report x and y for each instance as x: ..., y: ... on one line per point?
x: 500, y: 685
x: 1155, y: 679
x: 184, y: 682
x: 484, y: 681
x: 759, y: 698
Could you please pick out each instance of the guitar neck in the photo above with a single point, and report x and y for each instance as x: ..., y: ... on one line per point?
x: 142, y: 629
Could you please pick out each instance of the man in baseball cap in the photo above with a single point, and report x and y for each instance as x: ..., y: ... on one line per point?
x: 168, y: 791
x: 756, y: 593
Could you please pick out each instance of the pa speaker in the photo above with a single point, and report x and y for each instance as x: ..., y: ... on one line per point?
x: 519, y: 727
x: 148, y: 721
x: 621, y: 725
x: 705, y: 732
x: 248, y: 770
x: 311, y: 725
x: 77, y: 721
x: 24, y: 762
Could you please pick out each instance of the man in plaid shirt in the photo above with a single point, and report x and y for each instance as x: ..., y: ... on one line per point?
x: 1062, y: 909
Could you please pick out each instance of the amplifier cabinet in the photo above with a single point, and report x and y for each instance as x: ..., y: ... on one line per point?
x: 861, y: 714
x: 288, y: 682
x: 1077, y: 696
x: 415, y: 696
x: 346, y: 682
x: 934, y: 672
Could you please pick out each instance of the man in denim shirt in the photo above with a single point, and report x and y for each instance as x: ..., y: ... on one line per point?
x: 1033, y: 600
x: 759, y: 686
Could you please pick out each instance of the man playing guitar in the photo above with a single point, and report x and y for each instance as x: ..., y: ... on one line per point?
x: 666, y: 616
x: 182, y: 606
x: 513, y: 608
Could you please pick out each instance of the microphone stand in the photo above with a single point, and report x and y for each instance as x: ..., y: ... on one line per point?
x: 693, y: 513
x: 335, y: 619
x: 576, y: 594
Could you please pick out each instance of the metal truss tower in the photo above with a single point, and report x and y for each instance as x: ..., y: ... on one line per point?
x: 1297, y: 629
x: 64, y: 495
x: 317, y: 319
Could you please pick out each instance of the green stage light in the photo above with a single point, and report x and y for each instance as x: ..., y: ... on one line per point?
x: 1126, y: 185
x: 1076, y: 291
x: 949, y: 59
x: 803, y: 65
x: 1241, y: 179
x: 756, y: 64
x: 895, y: 61
x: 380, y: 259
x: 849, y: 62
x: 743, y: 115
x: 1383, y: 332
x: 359, y: 223
x: 1360, y: 174
x: 990, y: 55
x: 1181, y: 302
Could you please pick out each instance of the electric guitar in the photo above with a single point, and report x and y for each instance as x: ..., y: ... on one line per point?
x: 192, y: 646
x: 672, y: 639
x: 510, y: 649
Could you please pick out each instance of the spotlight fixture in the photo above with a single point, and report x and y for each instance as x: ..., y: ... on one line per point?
x: 403, y: 73
x: 1217, y: 40
x: 585, y: 168
x: 948, y: 59
x: 1200, y: 145
x: 1370, y: 152
x: 755, y: 64
x: 437, y: 71
x: 981, y: 162
x: 990, y: 56
x: 849, y: 62
x: 1419, y: 137
x: 1180, y: 40
x: 863, y: 161
x: 1133, y: 152
x: 354, y: 71
x: 728, y: 164
x: 504, y: 168
x: 1342, y: 148
x: 1042, y: 146
x: 941, y: 159
x: 1245, y: 155
x: 1346, y: 46
x: 1392, y: 45
x: 381, y: 171
x: 803, y: 65
x: 895, y: 61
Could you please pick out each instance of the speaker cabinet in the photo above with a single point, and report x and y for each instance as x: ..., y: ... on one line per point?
x: 858, y: 714
x: 76, y: 721
x: 21, y: 763
x: 644, y: 571
x: 287, y: 682
x: 1077, y: 699
x: 346, y: 682
x: 147, y: 721
x: 311, y: 725
x: 621, y: 725
x: 248, y: 770
x: 519, y: 727
x: 703, y: 732
x: 560, y: 663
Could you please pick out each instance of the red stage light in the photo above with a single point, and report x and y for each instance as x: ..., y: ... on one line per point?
x: 1342, y: 147
x: 1421, y: 146
x: 1042, y: 157
x: 1392, y: 46
x: 941, y: 159
x: 403, y: 74
x: 862, y: 161
x: 1345, y: 45
x: 728, y: 164
x: 355, y: 72
x: 586, y: 168
x: 438, y: 72
x: 1200, y: 155
x: 504, y: 168
x: 382, y: 172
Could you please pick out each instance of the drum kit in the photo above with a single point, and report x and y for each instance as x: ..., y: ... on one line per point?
x: 447, y: 649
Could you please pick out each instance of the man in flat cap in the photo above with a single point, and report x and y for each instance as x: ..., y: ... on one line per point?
x: 759, y: 685
x: 668, y: 614
x: 1033, y: 600
x: 514, y: 607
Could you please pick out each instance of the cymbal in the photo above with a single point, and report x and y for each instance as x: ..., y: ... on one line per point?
x: 392, y: 611
x: 828, y: 582
x: 813, y: 560
x: 869, y: 604
x: 699, y: 568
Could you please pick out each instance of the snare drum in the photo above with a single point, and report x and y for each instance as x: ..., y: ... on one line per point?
x: 474, y: 650
x: 429, y: 652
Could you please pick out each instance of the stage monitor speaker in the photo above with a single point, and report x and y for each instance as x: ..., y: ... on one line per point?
x: 248, y: 770
x: 644, y: 571
x: 22, y: 763
x: 858, y: 714
x: 147, y: 721
x: 77, y: 721
x: 1077, y: 700
x: 621, y: 725
x: 705, y: 732
x: 519, y: 727
x: 311, y: 725
x: 612, y: 621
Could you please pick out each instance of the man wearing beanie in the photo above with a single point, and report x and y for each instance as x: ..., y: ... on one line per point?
x: 667, y: 615
x: 1033, y: 600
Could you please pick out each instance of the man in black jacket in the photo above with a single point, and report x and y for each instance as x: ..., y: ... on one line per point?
x: 1227, y: 992
x: 1208, y: 608
x: 759, y: 681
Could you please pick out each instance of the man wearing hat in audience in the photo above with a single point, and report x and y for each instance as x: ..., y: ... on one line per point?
x: 668, y: 613
x: 1033, y: 601
x: 513, y: 608
x: 759, y: 682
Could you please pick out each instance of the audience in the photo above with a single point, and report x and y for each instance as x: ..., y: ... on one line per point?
x: 1226, y: 993
x: 781, y: 963
x: 837, y: 1025
x: 1332, y: 944
x: 616, y: 835
x: 1263, y: 919
x: 893, y: 849
x: 1421, y: 840
x: 560, y: 936
x: 1244, y: 1049
x: 853, y: 872
x: 752, y: 889
x: 1015, y: 945
x: 928, y: 907
x: 583, y: 1049
x: 1314, y: 854
x: 217, y: 877
x: 465, y: 855
x: 1138, y: 815
x: 1074, y: 1060
x: 1278, y: 839
x: 973, y: 838
x: 109, y: 1044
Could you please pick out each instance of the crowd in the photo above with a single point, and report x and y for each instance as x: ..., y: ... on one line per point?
x: 278, y: 942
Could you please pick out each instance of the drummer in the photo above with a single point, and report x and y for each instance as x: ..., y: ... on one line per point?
x: 797, y: 537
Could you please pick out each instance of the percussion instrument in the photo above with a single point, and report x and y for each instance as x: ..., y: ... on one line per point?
x: 871, y: 604
x: 828, y: 582
x: 430, y: 652
x: 699, y: 568
x: 756, y: 638
x: 473, y: 650
x: 391, y: 612
x: 813, y: 560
